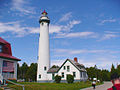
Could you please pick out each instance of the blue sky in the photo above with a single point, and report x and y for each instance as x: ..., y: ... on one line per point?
x: 86, y: 29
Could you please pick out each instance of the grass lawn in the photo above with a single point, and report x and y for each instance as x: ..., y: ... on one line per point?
x: 51, y: 86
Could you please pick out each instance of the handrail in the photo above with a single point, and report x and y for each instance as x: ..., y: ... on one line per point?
x: 17, y: 84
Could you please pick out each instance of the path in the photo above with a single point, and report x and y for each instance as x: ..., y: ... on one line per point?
x: 105, y: 86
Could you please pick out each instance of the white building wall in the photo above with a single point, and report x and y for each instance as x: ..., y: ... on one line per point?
x: 83, y: 76
x: 49, y: 75
x: 43, y: 56
x: 72, y: 69
x: 15, y: 70
x: 1, y: 64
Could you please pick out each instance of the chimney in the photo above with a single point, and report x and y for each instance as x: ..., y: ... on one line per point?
x: 75, y: 59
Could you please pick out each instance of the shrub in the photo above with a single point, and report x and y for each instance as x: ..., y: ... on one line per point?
x: 70, y: 78
x: 57, y: 79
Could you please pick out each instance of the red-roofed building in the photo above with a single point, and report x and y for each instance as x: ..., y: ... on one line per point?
x: 8, y: 63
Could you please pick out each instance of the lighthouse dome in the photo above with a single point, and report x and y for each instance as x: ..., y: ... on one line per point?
x: 44, y: 17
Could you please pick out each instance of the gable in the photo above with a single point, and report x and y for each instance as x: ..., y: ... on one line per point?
x: 65, y: 63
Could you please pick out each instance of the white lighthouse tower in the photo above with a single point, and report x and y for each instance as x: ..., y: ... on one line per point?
x: 43, y: 54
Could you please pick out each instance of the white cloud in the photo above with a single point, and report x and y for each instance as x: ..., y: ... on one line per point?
x: 77, y: 34
x: 13, y: 27
x: 71, y: 24
x: 55, y: 28
x: 111, y: 32
x: 61, y: 31
x: 17, y: 28
x: 101, y: 62
x: 100, y: 57
x: 107, y: 21
x: 66, y: 17
x: 22, y: 6
x: 58, y: 28
x: 57, y: 62
x: 109, y: 35
x: 80, y: 34
x: 34, y: 29
x: 73, y: 52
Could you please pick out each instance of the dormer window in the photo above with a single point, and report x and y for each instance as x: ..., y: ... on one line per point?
x: 0, y: 48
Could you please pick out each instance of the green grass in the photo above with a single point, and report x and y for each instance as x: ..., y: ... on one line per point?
x: 51, y: 86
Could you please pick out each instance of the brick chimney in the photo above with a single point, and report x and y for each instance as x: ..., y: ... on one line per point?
x: 75, y: 59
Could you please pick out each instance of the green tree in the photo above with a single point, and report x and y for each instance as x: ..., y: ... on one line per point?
x: 118, y: 69
x: 113, y: 70
x: 18, y: 71
x: 57, y: 79
x: 24, y: 69
x: 54, y: 66
x: 70, y: 78
x: 94, y: 72
x: 32, y: 72
x: 91, y: 72
x: 105, y: 75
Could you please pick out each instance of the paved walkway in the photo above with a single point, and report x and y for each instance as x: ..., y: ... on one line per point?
x: 105, y: 86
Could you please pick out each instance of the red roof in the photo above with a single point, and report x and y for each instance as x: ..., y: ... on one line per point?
x: 3, y: 41
x: 6, y: 50
x: 44, y: 12
x: 6, y: 56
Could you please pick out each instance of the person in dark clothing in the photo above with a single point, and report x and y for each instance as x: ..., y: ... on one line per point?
x: 115, y: 78
x: 0, y: 83
x: 93, y: 84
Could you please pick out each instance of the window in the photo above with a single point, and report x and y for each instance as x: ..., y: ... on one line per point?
x: 81, y: 74
x: 42, y: 23
x: 64, y: 67
x: 39, y: 76
x: 68, y: 68
x: 4, y: 64
x: 45, y: 68
x: 53, y: 76
x: 0, y: 48
x: 74, y: 74
x: 62, y: 74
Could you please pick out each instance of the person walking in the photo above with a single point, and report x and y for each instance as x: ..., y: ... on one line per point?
x: 115, y: 79
x: 94, y: 84
x: 0, y: 83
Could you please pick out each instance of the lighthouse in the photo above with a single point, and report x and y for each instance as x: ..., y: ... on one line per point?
x: 43, y: 52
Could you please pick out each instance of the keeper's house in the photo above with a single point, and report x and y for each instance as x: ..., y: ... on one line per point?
x: 8, y: 63
x: 69, y: 67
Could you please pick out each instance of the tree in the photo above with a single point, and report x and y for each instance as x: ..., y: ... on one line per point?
x: 32, y: 72
x: 57, y: 79
x: 94, y: 72
x: 18, y: 71
x: 113, y: 70
x: 70, y: 78
x: 54, y: 66
x: 24, y: 69
x: 105, y: 75
x: 118, y: 69
x: 91, y: 72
